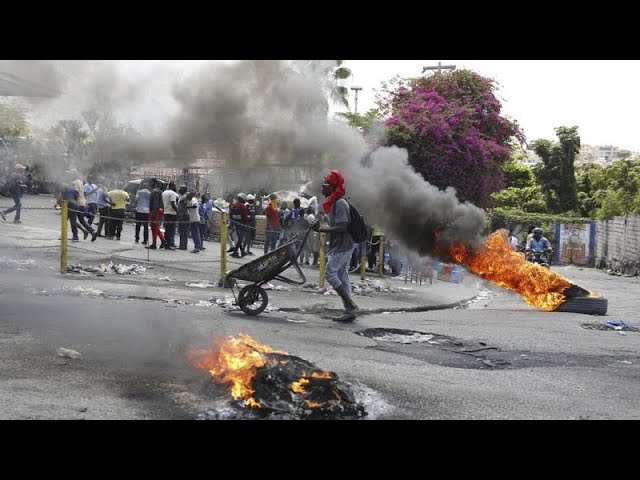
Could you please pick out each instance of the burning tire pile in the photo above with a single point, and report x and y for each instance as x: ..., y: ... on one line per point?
x: 540, y: 287
x: 580, y: 300
x: 274, y: 383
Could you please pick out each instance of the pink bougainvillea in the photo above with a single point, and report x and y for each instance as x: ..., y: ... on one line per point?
x: 450, y: 124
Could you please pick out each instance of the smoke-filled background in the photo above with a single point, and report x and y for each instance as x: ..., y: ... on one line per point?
x: 252, y: 113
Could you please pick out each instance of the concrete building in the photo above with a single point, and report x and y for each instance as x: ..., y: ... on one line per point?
x: 600, y: 154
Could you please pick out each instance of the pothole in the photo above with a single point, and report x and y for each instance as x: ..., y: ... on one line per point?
x: 447, y: 351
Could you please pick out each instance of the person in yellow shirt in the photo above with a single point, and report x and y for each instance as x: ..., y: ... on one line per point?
x: 376, y: 235
x: 118, y: 198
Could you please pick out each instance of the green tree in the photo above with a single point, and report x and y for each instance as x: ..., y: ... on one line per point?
x: 13, y: 124
x: 91, y: 117
x: 332, y: 74
x: 340, y: 94
x: 591, y: 186
x: 362, y: 122
x: 521, y: 190
x: 607, y: 191
x: 556, y: 173
x: 624, y: 154
x: 612, y: 205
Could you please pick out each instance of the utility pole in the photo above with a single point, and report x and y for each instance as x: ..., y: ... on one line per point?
x: 356, y: 89
x: 439, y: 67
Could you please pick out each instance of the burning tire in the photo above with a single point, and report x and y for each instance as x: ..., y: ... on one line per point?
x: 588, y: 305
x: 252, y: 299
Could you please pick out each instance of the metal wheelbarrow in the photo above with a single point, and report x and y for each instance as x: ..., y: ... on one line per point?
x: 253, y: 299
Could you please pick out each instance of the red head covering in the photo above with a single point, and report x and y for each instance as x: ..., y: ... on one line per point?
x: 334, y: 178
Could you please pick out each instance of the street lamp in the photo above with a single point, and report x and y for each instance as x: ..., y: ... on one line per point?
x: 356, y: 89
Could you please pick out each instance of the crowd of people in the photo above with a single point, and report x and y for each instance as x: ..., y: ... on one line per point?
x: 190, y: 215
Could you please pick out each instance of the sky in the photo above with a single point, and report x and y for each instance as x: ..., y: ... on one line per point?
x: 601, y: 97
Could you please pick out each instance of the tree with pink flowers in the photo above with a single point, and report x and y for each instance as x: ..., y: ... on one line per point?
x: 450, y: 124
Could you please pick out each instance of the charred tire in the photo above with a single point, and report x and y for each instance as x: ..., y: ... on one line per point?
x: 588, y: 305
x: 252, y: 300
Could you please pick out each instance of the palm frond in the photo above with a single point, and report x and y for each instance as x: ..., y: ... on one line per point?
x: 342, y: 73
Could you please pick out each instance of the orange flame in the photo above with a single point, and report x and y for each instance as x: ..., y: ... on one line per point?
x: 298, y: 387
x: 234, y: 361
x: 498, y: 262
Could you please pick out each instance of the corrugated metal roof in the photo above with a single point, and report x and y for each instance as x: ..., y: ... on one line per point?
x: 13, y: 86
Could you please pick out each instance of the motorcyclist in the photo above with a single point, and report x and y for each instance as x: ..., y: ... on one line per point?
x: 538, y: 243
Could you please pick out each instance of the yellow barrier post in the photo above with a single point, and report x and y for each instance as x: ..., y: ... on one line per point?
x: 363, y: 260
x: 381, y: 257
x: 223, y: 246
x: 321, y: 258
x: 64, y: 217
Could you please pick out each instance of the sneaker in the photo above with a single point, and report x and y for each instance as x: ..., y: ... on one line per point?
x: 137, y: 240
x: 234, y: 255
x: 86, y: 234
x: 202, y: 248
x: 180, y: 248
x: 94, y: 236
x: 75, y: 239
x: 151, y: 247
x: 250, y: 253
x: 3, y: 217
x: 17, y: 221
x: 145, y: 242
x: 195, y: 250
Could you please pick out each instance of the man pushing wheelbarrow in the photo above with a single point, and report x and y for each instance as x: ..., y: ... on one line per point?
x: 253, y: 299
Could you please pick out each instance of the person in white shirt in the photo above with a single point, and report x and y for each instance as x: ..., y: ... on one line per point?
x: 91, y: 195
x: 513, y: 240
x: 143, y: 197
x: 193, y: 207
x: 170, y: 203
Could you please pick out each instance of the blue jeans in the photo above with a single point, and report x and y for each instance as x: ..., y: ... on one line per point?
x: 337, y: 272
x: 271, y: 240
x: 16, y: 206
x: 195, y: 235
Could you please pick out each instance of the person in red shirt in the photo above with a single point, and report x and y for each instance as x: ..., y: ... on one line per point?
x: 240, y: 220
x: 273, y: 224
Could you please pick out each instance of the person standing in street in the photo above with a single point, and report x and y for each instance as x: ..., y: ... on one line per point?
x: 16, y: 179
x: 142, y: 199
x: 170, y: 206
x: 156, y: 209
x: 273, y: 224
x: 340, y: 242
x: 118, y: 198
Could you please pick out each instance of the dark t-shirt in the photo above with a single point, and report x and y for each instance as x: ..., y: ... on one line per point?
x: 339, y: 213
x: 15, y: 179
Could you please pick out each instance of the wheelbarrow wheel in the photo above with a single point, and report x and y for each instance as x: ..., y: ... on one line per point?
x: 252, y: 300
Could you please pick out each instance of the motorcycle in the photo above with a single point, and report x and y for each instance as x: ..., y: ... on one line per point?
x: 542, y: 258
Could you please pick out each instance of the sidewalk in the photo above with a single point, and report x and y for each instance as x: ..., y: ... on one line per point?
x: 41, y: 231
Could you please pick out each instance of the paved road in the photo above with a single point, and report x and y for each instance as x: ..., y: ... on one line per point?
x: 496, y: 358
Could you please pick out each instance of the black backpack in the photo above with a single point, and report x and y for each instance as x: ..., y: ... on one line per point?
x: 357, y: 228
